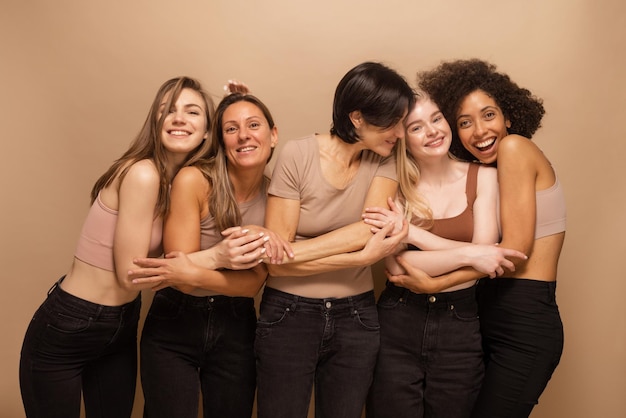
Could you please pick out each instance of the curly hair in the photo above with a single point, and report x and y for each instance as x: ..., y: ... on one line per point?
x: 450, y: 82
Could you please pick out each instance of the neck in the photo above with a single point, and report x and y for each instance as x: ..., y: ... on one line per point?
x: 343, y: 152
x: 246, y: 183
x: 438, y: 171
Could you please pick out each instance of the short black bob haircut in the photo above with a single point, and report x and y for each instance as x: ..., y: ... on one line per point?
x: 378, y: 92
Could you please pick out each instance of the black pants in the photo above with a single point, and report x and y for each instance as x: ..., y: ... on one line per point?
x: 74, y: 346
x: 522, y: 340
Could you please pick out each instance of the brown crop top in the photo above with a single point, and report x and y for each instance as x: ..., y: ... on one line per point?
x: 460, y: 227
x: 95, y: 244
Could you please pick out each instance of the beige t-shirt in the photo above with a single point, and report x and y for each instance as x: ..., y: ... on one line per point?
x: 324, y: 208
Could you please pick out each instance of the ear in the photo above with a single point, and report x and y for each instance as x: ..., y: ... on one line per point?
x: 356, y: 118
x: 507, y: 123
x: 274, y: 137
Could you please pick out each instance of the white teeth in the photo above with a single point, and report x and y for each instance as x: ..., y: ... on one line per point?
x: 485, y: 144
x: 179, y: 132
x: 246, y: 149
x: 435, y: 142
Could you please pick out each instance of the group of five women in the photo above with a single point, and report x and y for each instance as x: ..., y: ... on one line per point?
x: 395, y: 178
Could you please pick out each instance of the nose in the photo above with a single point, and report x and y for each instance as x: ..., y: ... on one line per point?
x: 243, y: 133
x: 398, y: 130
x: 430, y: 129
x: 179, y: 117
x: 479, y: 128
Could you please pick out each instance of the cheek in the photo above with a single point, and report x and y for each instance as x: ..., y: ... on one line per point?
x: 465, y: 136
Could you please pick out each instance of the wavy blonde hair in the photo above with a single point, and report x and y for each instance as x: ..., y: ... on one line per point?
x: 416, y: 209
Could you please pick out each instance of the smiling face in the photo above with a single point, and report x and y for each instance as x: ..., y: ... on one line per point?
x: 481, y: 125
x: 185, y: 125
x: 248, y: 137
x: 376, y: 139
x: 428, y: 134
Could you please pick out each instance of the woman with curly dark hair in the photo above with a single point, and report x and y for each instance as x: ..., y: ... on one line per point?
x: 493, y: 119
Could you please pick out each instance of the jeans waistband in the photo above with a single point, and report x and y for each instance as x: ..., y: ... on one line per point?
x: 361, y: 300
x: 85, y: 307
x: 434, y: 299
x: 203, y: 302
x: 521, y: 284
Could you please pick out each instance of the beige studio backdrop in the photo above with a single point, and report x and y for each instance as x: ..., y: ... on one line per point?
x: 77, y: 77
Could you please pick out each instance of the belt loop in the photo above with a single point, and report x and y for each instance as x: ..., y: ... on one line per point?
x: 55, y: 285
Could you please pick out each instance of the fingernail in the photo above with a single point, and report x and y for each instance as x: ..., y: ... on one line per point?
x: 263, y: 250
x: 245, y: 231
x: 266, y: 239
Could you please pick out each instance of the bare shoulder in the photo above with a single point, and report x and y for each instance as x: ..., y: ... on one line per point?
x: 487, y: 173
x: 486, y: 181
x: 517, y: 145
x: 190, y: 178
x: 142, y: 173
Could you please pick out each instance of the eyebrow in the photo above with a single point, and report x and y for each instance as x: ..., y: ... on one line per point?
x: 481, y: 110
x: 185, y: 106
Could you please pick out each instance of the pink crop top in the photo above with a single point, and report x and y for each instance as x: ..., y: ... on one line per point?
x: 551, y: 214
x: 95, y: 244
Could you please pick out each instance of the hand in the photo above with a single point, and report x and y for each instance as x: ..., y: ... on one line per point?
x: 382, y: 243
x: 275, y: 248
x: 240, y: 249
x: 491, y: 259
x: 234, y: 86
x: 379, y: 217
x: 415, y: 279
x: 174, y: 270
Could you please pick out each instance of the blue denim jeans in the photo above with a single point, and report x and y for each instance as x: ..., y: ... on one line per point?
x: 72, y: 345
x: 430, y: 362
x: 191, y: 344
x: 327, y: 343
x: 523, y: 342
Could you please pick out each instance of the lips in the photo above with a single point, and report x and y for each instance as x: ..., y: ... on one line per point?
x: 485, y: 145
x: 435, y: 143
x: 246, y: 149
x: 178, y: 132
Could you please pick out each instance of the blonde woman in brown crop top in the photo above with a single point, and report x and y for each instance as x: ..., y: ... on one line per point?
x: 318, y: 326
x: 82, y: 341
x: 493, y: 119
x: 430, y: 360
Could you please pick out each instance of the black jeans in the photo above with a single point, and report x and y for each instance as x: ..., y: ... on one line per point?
x: 72, y: 345
x: 430, y: 362
x: 331, y: 343
x: 523, y: 342
x: 191, y: 344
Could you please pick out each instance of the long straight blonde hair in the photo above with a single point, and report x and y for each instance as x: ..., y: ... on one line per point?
x: 416, y: 209
x: 148, y: 144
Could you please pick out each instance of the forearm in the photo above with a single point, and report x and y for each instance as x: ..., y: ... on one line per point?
x: 347, y: 239
x: 205, y: 258
x: 436, y: 263
x: 246, y: 283
x: 321, y: 265
x: 426, y: 240
x: 459, y: 276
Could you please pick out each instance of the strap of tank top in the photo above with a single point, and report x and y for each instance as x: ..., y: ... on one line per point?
x: 471, y: 184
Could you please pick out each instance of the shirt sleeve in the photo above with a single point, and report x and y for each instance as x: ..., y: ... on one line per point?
x: 285, y: 177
